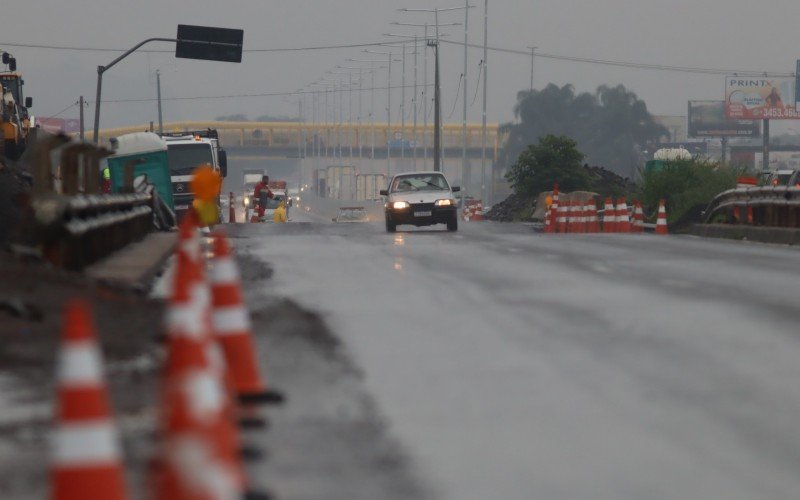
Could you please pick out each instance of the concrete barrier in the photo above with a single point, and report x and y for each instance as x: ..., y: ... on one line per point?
x: 783, y: 236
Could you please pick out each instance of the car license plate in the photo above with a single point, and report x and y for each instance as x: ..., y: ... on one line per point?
x: 422, y: 214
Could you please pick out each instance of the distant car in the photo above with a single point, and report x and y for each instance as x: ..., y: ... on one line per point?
x: 420, y: 199
x: 351, y: 214
x: 783, y: 178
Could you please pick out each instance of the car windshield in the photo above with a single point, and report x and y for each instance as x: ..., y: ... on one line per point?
x: 419, y: 182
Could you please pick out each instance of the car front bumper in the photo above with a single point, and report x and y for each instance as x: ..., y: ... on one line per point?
x: 438, y: 215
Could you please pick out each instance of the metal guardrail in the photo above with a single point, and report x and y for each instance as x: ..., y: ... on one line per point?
x: 76, y: 231
x: 72, y: 221
x: 770, y: 206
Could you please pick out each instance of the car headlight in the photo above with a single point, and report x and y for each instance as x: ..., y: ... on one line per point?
x: 246, y: 201
x: 399, y: 205
x: 445, y: 203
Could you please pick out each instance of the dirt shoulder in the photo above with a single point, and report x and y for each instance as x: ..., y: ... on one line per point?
x: 328, y: 442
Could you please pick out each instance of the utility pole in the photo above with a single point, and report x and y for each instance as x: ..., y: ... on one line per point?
x: 425, y: 105
x: 465, y: 174
x: 82, y: 129
x: 485, y: 96
x: 765, y: 148
x: 403, y: 108
x: 437, y: 115
x: 414, y: 101
x: 533, y: 62
x: 160, y: 117
x: 437, y: 137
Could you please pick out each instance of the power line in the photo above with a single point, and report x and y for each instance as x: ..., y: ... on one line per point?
x: 629, y: 64
x: 152, y: 51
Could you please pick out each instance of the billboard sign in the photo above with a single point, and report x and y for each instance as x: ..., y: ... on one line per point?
x: 707, y: 119
x: 58, y: 125
x: 760, y: 98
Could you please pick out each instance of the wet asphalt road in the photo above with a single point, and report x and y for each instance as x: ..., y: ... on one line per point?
x: 517, y: 365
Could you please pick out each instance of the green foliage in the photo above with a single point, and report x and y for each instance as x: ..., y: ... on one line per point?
x: 611, y: 126
x: 553, y: 160
x: 687, y: 184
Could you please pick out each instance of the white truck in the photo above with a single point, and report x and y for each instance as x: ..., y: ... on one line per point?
x: 186, y: 151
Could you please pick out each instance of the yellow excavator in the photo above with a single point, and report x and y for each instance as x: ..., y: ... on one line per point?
x: 15, y: 120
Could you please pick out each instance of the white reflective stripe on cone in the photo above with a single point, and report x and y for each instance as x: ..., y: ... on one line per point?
x: 185, y: 320
x: 89, y: 443
x: 224, y: 271
x: 205, y: 395
x: 231, y: 319
x: 80, y: 364
x: 201, y: 472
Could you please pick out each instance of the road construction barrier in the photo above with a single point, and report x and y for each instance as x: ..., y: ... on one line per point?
x: 473, y: 210
x: 578, y: 213
x: 231, y: 208
x: 770, y: 206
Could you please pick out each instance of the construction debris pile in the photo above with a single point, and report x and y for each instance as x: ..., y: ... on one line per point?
x: 519, y: 208
x: 513, y: 209
x: 609, y: 183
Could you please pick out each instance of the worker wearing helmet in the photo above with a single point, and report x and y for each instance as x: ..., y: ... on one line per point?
x: 261, y: 193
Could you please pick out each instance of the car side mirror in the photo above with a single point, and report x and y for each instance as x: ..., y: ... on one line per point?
x: 456, y: 189
x: 384, y: 192
x: 29, y: 102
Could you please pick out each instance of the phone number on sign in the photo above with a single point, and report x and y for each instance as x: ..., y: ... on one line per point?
x: 781, y: 113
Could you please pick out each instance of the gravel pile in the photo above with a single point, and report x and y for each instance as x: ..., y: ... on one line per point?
x: 513, y: 209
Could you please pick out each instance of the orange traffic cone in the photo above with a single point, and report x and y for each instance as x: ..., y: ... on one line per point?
x: 233, y: 330
x: 87, y: 461
x: 594, y: 223
x: 553, y: 211
x: 609, y: 217
x: 548, y: 225
x: 572, y: 220
x: 563, y: 217
x: 638, y: 218
x: 199, y: 459
x: 661, y: 223
x: 623, y: 220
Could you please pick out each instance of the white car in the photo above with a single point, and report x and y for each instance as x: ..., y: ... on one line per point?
x: 420, y: 199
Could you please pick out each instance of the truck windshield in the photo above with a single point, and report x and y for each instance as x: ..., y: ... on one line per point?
x: 184, y: 158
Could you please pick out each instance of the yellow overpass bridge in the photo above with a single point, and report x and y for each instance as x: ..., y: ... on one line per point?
x: 288, y: 136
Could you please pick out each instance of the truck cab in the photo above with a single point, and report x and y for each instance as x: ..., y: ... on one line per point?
x: 186, y: 151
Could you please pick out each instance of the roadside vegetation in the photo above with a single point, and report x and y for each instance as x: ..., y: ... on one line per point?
x: 687, y: 186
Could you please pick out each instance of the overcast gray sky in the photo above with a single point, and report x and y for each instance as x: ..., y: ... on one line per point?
x: 740, y: 34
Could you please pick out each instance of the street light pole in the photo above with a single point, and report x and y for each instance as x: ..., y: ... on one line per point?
x: 160, y: 117
x: 485, y: 97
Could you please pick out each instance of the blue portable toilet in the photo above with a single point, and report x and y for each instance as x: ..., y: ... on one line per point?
x: 148, y: 153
